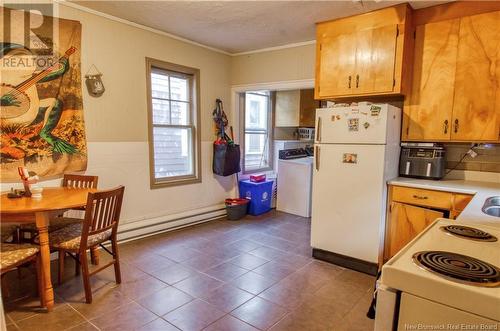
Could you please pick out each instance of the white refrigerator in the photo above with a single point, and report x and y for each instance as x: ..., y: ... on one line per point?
x: 356, y: 152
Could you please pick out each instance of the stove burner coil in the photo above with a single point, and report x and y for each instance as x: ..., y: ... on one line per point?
x: 458, y: 267
x: 469, y: 233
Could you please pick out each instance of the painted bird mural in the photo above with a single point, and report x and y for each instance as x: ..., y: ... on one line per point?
x: 23, y: 115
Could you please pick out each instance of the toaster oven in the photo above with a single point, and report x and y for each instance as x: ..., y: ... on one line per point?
x: 422, y: 161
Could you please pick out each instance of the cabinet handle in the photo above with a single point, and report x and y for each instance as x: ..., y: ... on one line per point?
x: 419, y: 197
x: 350, y: 79
x: 318, y: 130
x: 446, y: 126
x: 357, y: 81
x: 456, y: 125
x: 316, y: 155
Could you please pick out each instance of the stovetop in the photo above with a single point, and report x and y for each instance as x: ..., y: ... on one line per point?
x: 459, y: 268
x: 467, y: 232
x: 295, y: 153
x: 451, y: 261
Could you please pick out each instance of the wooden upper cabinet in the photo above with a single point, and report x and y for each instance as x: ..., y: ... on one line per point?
x: 455, y: 93
x: 295, y: 108
x: 363, y: 54
x: 476, y: 105
x: 338, y: 58
x: 375, y: 57
x: 308, y: 108
x: 287, y: 108
x: 428, y: 108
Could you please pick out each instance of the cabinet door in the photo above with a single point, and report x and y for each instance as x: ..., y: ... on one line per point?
x: 405, y: 223
x: 308, y: 108
x: 336, y: 67
x: 287, y: 108
x: 375, y: 57
x: 428, y: 112
x: 476, y: 106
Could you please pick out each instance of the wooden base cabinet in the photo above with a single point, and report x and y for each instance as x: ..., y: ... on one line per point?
x: 411, y: 210
x: 405, y: 222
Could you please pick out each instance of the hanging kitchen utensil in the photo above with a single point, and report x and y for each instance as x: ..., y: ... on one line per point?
x: 94, y: 83
x: 220, y: 118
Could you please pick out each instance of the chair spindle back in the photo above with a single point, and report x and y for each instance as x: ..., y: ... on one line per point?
x: 80, y: 181
x: 102, y: 212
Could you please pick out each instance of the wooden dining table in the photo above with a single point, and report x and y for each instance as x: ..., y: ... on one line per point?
x: 38, y: 210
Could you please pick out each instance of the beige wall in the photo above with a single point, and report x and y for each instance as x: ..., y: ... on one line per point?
x: 116, y: 123
x: 119, y: 50
x: 287, y: 64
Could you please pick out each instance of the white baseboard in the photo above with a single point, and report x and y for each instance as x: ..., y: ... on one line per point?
x: 148, y: 227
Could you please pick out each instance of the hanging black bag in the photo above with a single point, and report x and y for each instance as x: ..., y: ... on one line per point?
x: 226, y: 161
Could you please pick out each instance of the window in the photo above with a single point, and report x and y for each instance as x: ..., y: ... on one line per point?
x: 174, y: 142
x: 257, y: 124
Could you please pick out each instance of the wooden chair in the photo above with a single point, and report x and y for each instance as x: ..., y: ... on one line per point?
x: 12, y: 256
x: 102, y: 214
x: 57, y: 221
x: 9, y: 232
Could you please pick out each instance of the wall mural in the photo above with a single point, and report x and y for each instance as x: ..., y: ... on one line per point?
x: 41, y: 108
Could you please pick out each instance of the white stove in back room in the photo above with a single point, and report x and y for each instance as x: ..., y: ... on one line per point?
x: 448, y: 278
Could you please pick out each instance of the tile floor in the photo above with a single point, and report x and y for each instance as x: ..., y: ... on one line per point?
x: 253, y: 274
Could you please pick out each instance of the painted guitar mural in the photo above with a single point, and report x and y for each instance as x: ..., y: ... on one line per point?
x: 41, y: 108
x: 21, y: 106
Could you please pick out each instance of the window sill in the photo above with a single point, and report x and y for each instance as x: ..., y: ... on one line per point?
x: 254, y: 171
x: 155, y: 184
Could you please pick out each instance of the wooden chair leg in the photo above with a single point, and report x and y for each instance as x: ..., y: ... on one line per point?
x: 86, y: 277
x: 5, y: 288
x: 39, y: 279
x: 61, y: 266
x: 78, y: 261
x: 19, y: 273
x: 94, y: 255
x: 118, y: 274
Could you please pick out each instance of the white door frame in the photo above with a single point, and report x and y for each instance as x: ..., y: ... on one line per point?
x: 271, y: 86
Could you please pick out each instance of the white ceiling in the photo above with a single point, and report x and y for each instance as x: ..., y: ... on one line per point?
x: 238, y: 26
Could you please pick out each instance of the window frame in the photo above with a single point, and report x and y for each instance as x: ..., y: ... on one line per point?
x: 270, y: 132
x: 195, y: 123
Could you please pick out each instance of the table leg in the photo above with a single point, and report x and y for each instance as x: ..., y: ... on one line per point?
x: 42, y: 223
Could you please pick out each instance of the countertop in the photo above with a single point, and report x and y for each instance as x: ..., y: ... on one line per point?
x: 472, y: 212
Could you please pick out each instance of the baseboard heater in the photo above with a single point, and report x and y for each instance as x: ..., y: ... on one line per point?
x: 145, y: 228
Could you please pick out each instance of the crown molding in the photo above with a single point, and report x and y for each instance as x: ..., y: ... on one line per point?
x: 166, y: 34
x: 276, y: 48
x: 139, y: 26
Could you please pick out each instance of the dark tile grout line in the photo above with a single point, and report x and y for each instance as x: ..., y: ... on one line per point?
x: 245, y: 237
x: 226, y: 261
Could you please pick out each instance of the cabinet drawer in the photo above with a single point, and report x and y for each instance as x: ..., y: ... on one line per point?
x: 421, y: 197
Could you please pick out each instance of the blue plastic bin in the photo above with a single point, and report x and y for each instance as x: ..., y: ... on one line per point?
x: 260, y: 195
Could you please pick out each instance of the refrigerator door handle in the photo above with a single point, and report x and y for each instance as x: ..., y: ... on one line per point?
x: 318, y: 130
x: 316, y: 154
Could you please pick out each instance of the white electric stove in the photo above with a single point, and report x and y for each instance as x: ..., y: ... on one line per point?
x: 448, y: 277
